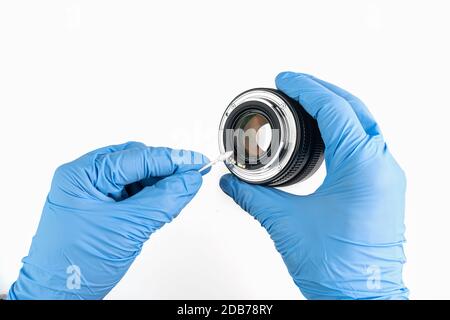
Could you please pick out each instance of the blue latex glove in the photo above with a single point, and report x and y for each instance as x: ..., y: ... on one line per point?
x: 344, y: 241
x: 99, y: 212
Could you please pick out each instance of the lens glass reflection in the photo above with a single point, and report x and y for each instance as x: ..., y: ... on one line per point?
x: 255, y: 134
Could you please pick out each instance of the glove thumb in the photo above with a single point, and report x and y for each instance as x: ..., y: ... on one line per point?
x: 163, y: 201
x: 263, y: 203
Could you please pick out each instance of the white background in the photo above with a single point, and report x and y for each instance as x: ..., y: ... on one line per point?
x: 77, y: 75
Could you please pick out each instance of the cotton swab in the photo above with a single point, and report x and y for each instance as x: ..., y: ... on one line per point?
x: 220, y: 158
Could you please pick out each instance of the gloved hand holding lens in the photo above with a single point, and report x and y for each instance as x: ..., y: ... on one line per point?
x: 344, y: 241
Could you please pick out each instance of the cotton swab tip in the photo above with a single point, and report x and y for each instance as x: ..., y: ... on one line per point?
x: 221, y: 157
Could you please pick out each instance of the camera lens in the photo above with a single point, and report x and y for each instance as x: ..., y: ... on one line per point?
x: 274, y: 140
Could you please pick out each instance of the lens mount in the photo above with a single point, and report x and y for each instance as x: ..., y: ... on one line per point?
x: 274, y: 140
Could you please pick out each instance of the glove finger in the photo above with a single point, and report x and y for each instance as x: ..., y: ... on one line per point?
x: 133, y: 188
x: 338, y: 123
x: 265, y: 204
x: 362, y: 112
x: 160, y: 203
x: 116, y: 147
x: 118, y: 169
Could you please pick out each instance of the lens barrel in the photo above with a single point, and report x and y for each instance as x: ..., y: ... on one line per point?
x: 275, y: 142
